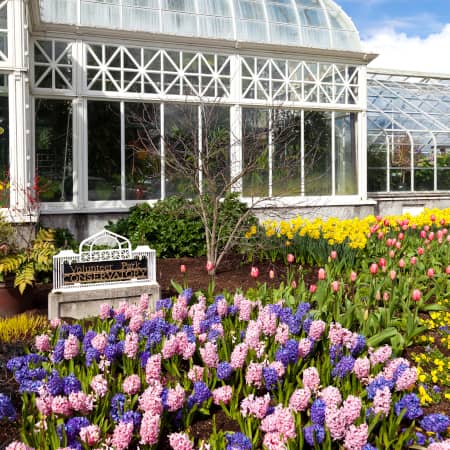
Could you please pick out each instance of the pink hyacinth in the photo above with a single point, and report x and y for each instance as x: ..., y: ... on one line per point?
x: 238, y: 356
x: 380, y: 355
x: 222, y: 307
x: 361, y: 368
x: 279, y: 368
x: 143, y: 303
x: 209, y: 354
x: 150, y: 400
x: 304, y: 347
x: 105, y: 311
x: 406, y: 380
x: 382, y: 401
x: 44, y: 402
x: 268, y: 321
x: 444, y: 445
x: 255, y: 406
x: 61, y: 405
x: 351, y: 409
x: 222, y: 394
x: 175, y: 398
x: 356, y: 437
x: 122, y: 435
x: 274, y: 441
x: 90, y: 434
x: 189, y: 350
x: 170, y: 347
x: 331, y: 396
x: 150, y: 428
x: 316, y: 329
x: 16, y: 445
x: 391, y: 367
x: 136, y: 322
x: 245, y: 310
x: 131, y: 384
x: 195, y: 373
x: 131, y: 345
x: 335, y: 422
x: 180, y: 441
x: 311, y: 379
x: 99, y: 342
x: 335, y: 334
x: 253, y: 376
x: 237, y: 300
x: 153, y: 368
x: 280, y: 421
x: 282, y: 334
x: 81, y: 402
x: 299, y: 400
x: 71, y: 347
x: 42, y: 343
x: 252, y: 334
x: 180, y: 309
x: 99, y: 385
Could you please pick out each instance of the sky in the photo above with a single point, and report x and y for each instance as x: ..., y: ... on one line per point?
x: 407, y: 34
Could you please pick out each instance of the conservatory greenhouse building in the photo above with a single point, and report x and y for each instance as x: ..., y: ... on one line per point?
x: 97, y: 94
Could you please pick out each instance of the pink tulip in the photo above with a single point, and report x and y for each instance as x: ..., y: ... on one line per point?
x: 398, y: 245
x: 391, y: 254
x: 420, y: 251
x: 321, y: 274
x: 430, y: 272
x: 386, y: 296
x: 378, y: 218
x: 373, y: 268
x: 183, y: 268
x: 401, y: 263
x: 433, y: 218
x: 442, y: 222
x: 333, y: 254
x: 404, y: 227
x: 426, y: 228
x: 416, y: 295
x: 353, y: 277
x: 401, y: 236
x: 313, y: 288
x: 413, y: 260
x: 389, y: 242
x: 423, y: 234
x: 447, y: 270
x: 386, y: 222
x: 271, y: 274
x: 335, y: 286
x: 430, y: 236
x: 254, y: 272
x: 439, y: 234
x: 382, y: 262
x: 290, y: 258
x: 293, y: 284
x: 392, y: 274
x: 209, y: 266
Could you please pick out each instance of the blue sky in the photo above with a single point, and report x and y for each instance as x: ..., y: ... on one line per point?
x: 412, y: 35
x: 412, y: 17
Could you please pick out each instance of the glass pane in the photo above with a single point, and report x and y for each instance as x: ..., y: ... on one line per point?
x: 54, y: 155
x: 104, y: 150
x: 345, y: 151
x: 216, y: 149
x: 424, y: 179
x: 317, y: 153
x: 423, y: 164
x: 181, y: 149
x: 443, y: 169
x: 400, y: 179
x: 4, y: 152
x: 286, y: 164
x: 376, y: 168
x: 255, y: 149
x: 142, y: 151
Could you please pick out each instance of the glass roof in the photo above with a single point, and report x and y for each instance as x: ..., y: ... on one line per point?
x: 305, y: 23
x: 418, y: 106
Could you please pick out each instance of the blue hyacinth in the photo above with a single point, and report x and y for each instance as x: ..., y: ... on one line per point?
x: 238, y: 441
x: 318, y: 412
x: 224, y: 370
x: 436, y: 423
x: 411, y: 404
x: 270, y: 377
x: 7, y: 410
x: 343, y: 367
x: 71, y: 384
x: 314, y: 434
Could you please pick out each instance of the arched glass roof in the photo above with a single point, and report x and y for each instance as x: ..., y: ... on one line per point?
x: 304, y: 23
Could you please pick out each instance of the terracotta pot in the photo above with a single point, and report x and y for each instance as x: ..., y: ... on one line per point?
x: 11, y: 302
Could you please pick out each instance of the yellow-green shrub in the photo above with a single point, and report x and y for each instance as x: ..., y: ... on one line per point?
x: 21, y: 327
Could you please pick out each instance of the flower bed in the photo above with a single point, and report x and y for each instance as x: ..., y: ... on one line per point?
x: 130, y: 379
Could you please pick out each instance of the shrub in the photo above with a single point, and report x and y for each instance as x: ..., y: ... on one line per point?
x: 174, y: 228
x: 21, y: 328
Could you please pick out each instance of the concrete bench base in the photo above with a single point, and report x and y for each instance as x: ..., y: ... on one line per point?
x: 86, y: 302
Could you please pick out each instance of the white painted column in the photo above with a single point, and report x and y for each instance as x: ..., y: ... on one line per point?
x: 362, y: 135
x: 20, y: 144
x: 236, y: 124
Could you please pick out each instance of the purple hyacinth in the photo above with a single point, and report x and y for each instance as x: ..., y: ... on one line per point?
x: 411, y: 404
x: 132, y: 417
x: 378, y: 383
x: 358, y: 346
x: 436, y: 423
x: 55, y: 383
x: 164, y: 303
x: 369, y: 447
x: 201, y: 394
x: 117, y: 407
x: 343, y: 367
x: 7, y: 410
x: 73, y: 427
x: 314, y: 434
x: 224, y: 370
x: 77, y: 331
x: 270, y: 377
x: 71, y: 384
x: 87, y: 340
x: 238, y: 441
x: 318, y: 412
x: 58, y: 351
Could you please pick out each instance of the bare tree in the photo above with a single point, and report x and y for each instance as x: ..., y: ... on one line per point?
x: 198, y: 164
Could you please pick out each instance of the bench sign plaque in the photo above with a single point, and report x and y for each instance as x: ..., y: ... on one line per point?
x: 113, y: 263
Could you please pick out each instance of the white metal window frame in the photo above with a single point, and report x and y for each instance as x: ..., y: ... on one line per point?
x: 80, y: 95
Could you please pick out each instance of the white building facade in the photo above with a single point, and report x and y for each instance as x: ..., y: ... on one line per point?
x: 286, y: 79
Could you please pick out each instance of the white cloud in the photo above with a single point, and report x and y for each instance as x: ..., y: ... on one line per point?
x: 398, y: 51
